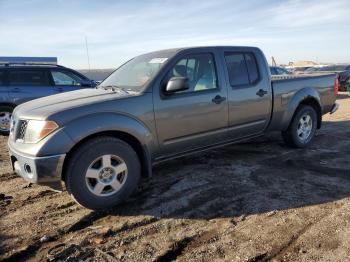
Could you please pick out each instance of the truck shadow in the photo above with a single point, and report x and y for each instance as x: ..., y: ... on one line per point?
x: 258, y: 176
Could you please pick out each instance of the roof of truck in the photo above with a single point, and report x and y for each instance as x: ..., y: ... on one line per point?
x: 176, y: 50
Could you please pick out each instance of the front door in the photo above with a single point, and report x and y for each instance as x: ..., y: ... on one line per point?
x: 194, y: 118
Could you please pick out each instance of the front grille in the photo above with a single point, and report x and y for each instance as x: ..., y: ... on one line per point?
x: 22, y: 127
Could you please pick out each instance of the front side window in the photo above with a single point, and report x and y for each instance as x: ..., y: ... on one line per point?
x: 200, y: 71
x: 242, y: 69
x: 61, y: 78
x: 28, y: 77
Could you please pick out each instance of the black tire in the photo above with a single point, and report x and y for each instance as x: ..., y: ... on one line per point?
x: 81, y: 160
x: 8, y: 109
x: 290, y: 136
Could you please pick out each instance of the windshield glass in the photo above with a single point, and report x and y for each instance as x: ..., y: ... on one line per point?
x: 135, y: 74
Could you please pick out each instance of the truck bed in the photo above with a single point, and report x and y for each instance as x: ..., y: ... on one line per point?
x: 288, y: 89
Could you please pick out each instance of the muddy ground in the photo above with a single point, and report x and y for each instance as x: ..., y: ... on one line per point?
x: 254, y: 201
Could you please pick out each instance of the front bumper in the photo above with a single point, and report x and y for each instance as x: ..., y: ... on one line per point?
x: 39, y: 170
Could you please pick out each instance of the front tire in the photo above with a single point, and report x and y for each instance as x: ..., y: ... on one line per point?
x: 302, y: 129
x: 102, y: 173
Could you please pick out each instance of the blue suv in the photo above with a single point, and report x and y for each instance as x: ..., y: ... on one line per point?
x: 20, y: 83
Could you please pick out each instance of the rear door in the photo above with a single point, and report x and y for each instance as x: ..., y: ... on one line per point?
x: 193, y: 118
x: 28, y: 83
x: 66, y: 80
x: 249, y: 95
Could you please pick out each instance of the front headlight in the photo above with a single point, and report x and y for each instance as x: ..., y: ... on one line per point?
x: 38, y: 129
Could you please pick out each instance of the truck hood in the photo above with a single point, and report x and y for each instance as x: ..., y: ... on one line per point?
x: 42, y: 108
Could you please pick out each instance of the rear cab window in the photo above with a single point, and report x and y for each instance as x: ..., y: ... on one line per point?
x: 28, y: 77
x: 242, y: 69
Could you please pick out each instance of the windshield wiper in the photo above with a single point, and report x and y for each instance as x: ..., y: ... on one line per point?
x: 110, y: 87
x: 114, y: 88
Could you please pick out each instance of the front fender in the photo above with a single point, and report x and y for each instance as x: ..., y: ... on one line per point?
x: 88, y: 125
x: 64, y: 139
x: 294, y: 102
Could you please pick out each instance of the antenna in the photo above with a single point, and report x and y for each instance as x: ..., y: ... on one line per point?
x: 87, y: 52
x: 273, y: 61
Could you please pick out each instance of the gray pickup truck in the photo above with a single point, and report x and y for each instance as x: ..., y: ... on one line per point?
x: 155, y: 107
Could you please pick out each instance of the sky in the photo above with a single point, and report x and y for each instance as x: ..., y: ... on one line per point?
x: 116, y: 31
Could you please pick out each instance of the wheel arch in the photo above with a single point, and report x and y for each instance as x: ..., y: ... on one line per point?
x: 310, y: 101
x: 141, y: 151
x: 123, y: 127
x: 306, y: 96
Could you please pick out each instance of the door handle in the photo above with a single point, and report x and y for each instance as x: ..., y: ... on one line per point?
x: 218, y: 99
x: 59, y: 89
x: 261, y: 93
x: 16, y: 90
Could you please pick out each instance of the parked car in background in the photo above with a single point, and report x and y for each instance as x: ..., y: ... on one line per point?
x: 157, y: 107
x: 277, y: 70
x: 344, y: 80
x: 20, y: 83
x: 327, y: 69
x: 343, y: 72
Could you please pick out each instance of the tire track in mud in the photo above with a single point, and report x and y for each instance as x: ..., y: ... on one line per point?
x: 83, y: 223
x: 42, y: 194
x: 277, y: 253
x: 175, y: 250
x: 188, y: 244
x: 8, y: 176
x: 85, y: 248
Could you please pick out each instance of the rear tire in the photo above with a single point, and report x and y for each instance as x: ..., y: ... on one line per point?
x: 302, y: 129
x: 102, y: 173
x: 5, y: 119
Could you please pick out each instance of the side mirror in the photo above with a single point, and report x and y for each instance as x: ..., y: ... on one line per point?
x: 176, y: 84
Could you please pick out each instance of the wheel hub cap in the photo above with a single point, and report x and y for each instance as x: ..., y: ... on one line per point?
x: 304, y: 127
x: 106, y: 175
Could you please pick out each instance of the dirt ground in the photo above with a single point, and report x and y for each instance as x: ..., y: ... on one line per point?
x: 254, y: 201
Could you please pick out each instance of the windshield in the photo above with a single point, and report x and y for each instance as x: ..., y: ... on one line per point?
x: 135, y: 74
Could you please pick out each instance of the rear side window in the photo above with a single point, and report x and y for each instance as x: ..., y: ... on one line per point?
x: 2, y: 78
x: 28, y: 77
x: 252, y: 68
x: 242, y: 68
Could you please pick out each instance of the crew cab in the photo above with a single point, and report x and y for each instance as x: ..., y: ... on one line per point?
x: 155, y: 107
